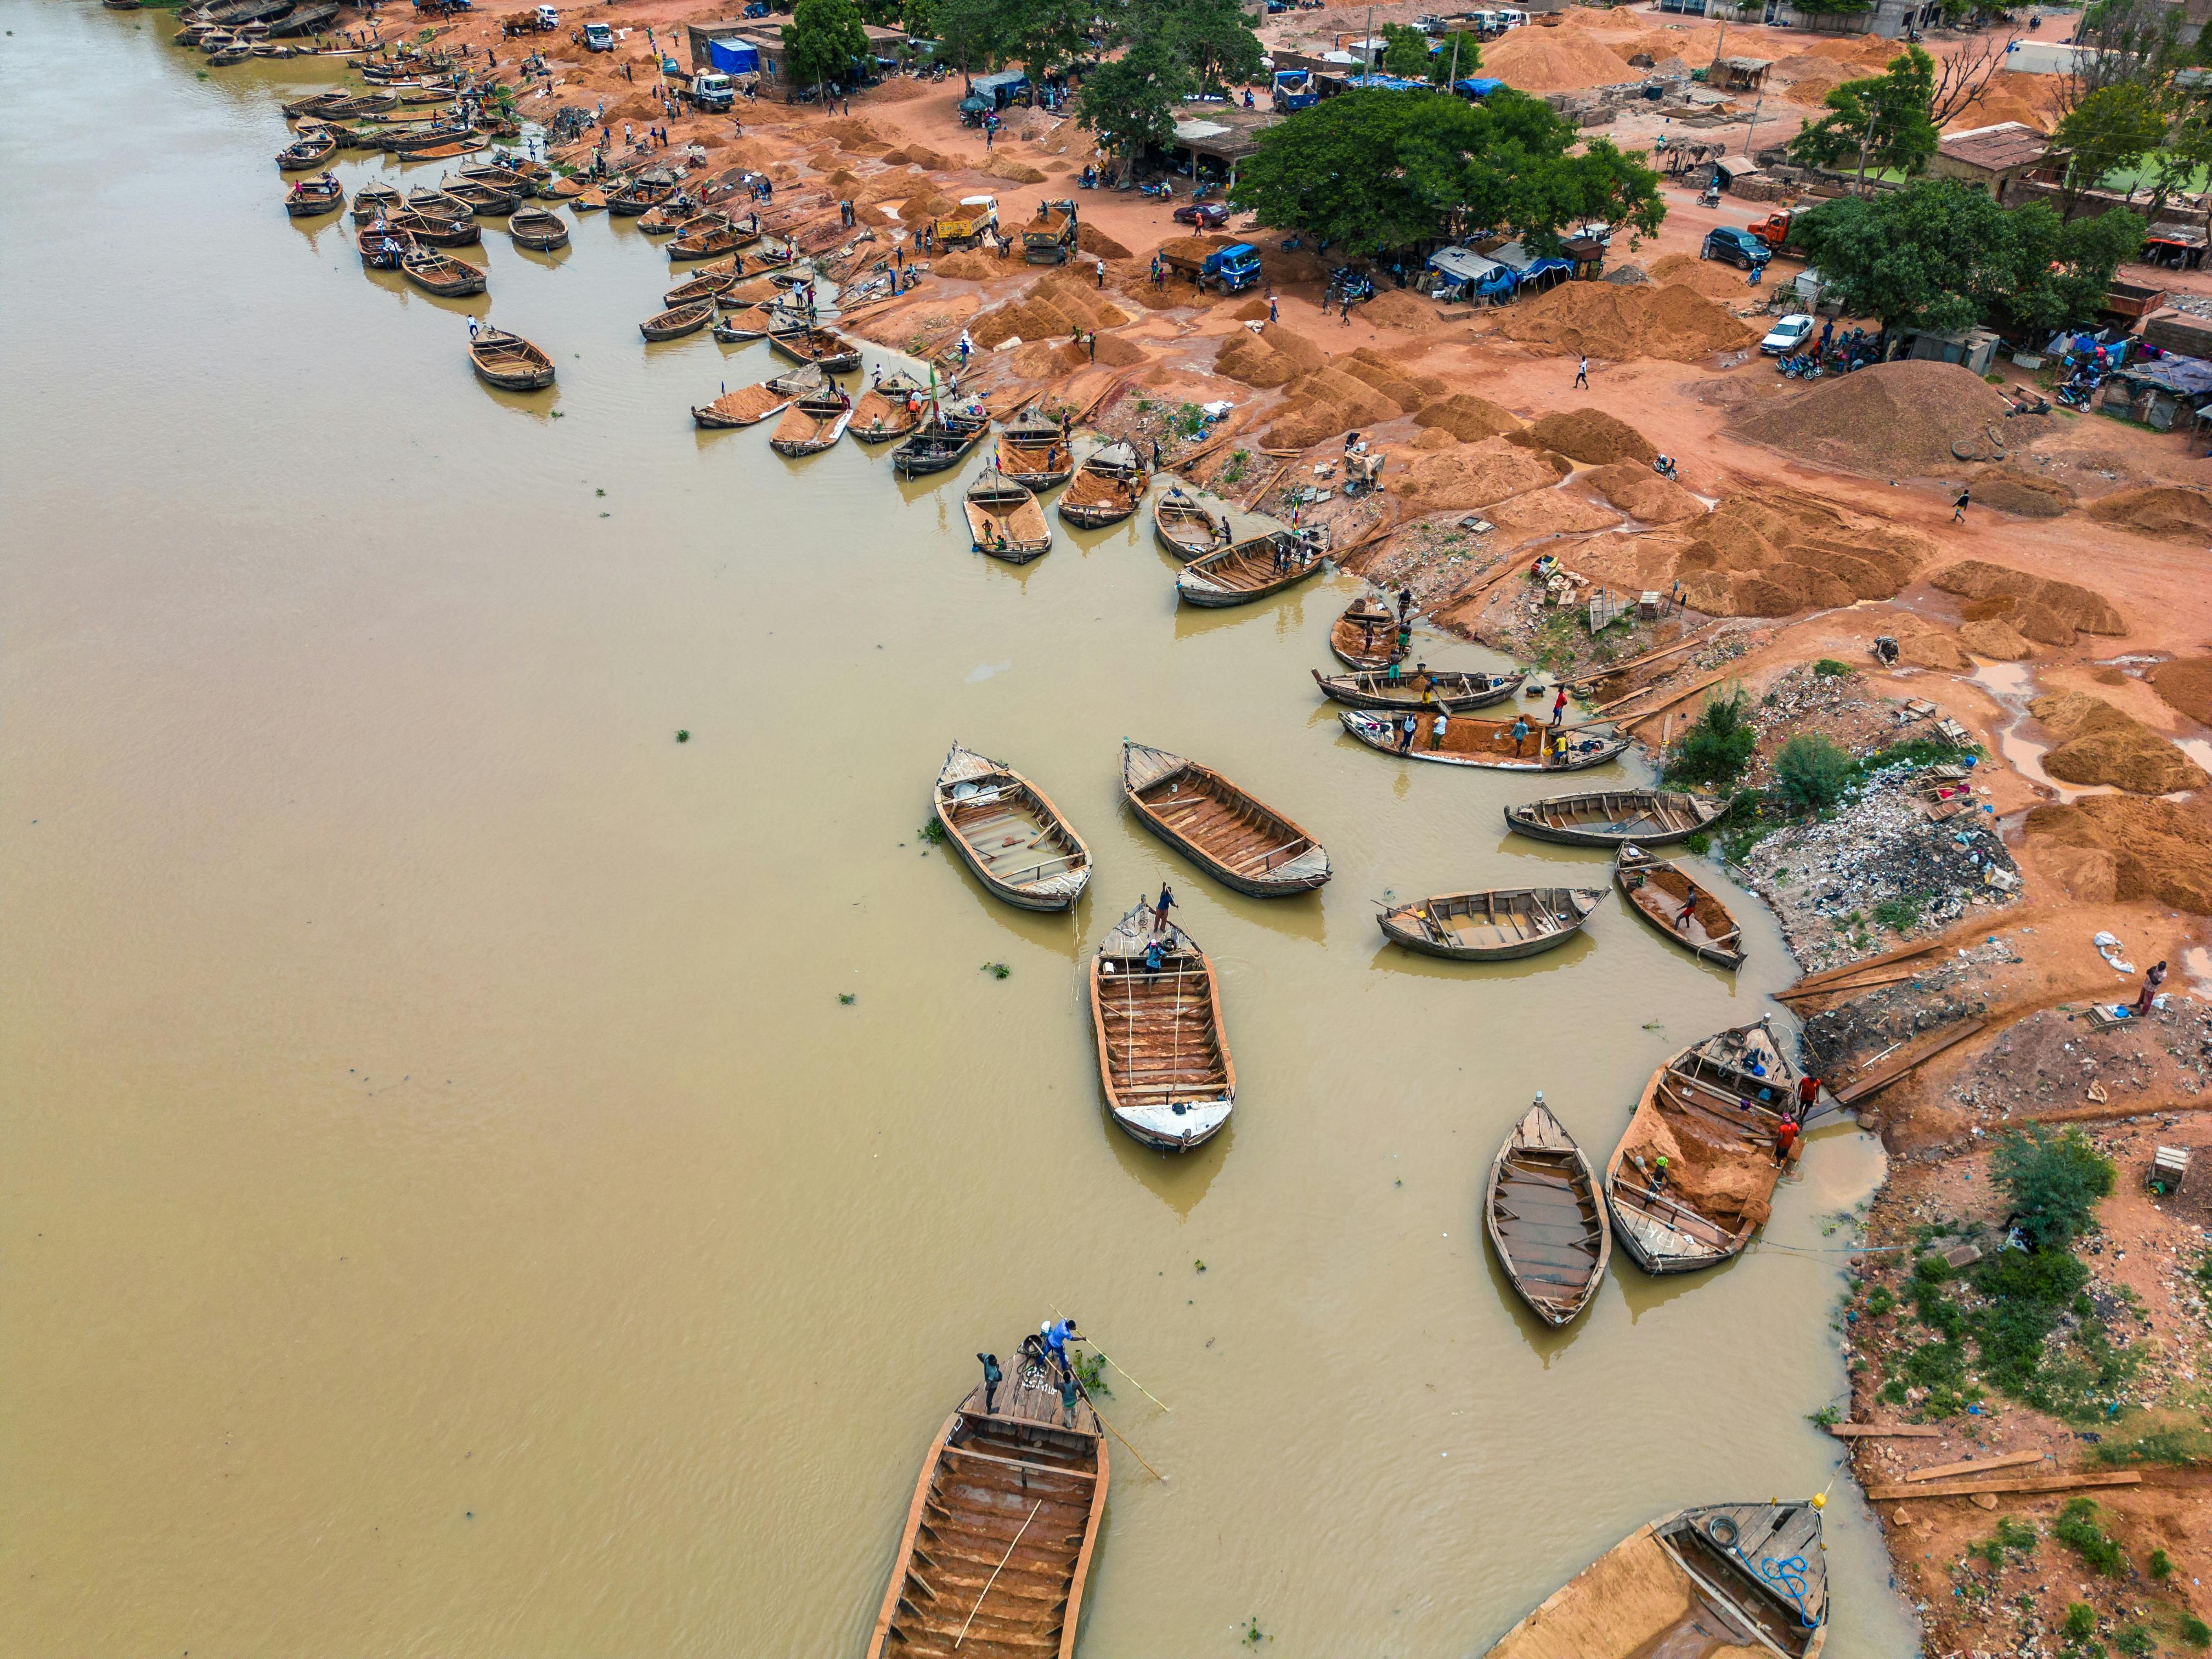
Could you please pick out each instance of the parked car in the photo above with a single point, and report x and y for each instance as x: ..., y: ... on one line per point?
x: 1787, y: 335
x: 1739, y: 247
x: 1207, y: 216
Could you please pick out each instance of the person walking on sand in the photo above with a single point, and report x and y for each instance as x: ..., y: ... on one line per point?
x: 1808, y: 1094
x: 2152, y: 981
x: 1101, y: 273
x: 1271, y: 307
x: 992, y: 1377
x: 1582, y: 375
x: 1959, y: 507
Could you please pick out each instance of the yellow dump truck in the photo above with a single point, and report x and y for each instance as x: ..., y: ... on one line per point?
x: 976, y: 217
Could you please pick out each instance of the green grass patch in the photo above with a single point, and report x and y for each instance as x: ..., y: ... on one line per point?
x: 2154, y: 1437
x: 2076, y: 1528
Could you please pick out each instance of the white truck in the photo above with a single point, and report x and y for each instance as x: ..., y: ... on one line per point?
x: 713, y: 92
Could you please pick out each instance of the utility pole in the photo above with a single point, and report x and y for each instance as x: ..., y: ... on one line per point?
x: 1452, y: 80
x: 1752, y: 131
x: 1718, y: 48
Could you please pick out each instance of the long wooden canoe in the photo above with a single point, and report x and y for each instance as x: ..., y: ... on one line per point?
x: 887, y: 409
x: 1734, y: 1579
x: 835, y: 354
x: 1254, y: 568
x: 309, y: 150
x: 677, y: 321
x: 708, y: 237
x: 704, y: 283
x: 482, y: 201
x: 999, y: 1539
x: 374, y: 200
x: 434, y: 232
x: 644, y: 191
x: 1650, y: 818
x: 1106, y: 488
x: 441, y: 274
x: 1544, y: 1218
x: 1663, y: 893
x: 1709, y: 1114
x: 742, y: 327
x: 1500, y: 925
x: 932, y: 446
x: 1011, y: 835
x: 749, y: 405
x: 1467, y: 741
x: 1458, y: 691
x: 812, y: 425
x: 1181, y: 526
x: 1221, y: 828
x: 1033, y: 450
x: 535, y: 228
x: 1366, y: 635
x: 510, y: 362
x: 666, y: 218
x: 1162, y: 1055
x: 1005, y: 519
x: 434, y: 203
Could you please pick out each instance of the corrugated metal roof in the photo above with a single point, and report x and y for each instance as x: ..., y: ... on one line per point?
x: 1998, y: 148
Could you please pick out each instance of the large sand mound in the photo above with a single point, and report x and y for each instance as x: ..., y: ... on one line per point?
x: 1995, y: 639
x: 2043, y: 608
x: 1710, y: 277
x: 2119, y: 848
x: 1604, y: 319
x: 2171, y: 512
x: 1055, y: 308
x: 2100, y: 744
x: 1776, y: 551
x: 1541, y: 60
x: 1895, y: 420
x: 1591, y: 436
x: 2009, y: 489
x: 1642, y: 494
x: 2186, y: 682
x: 1469, y: 418
x: 1475, y: 475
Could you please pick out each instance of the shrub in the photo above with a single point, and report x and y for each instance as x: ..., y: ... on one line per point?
x: 2134, y: 1639
x: 1827, y: 668
x: 2054, y: 1182
x: 2162, y: 1565
x: 1898, y: 916
x: 1813, y: 771
x: 2076, y: 1526
x: 1879, y: 1301
x: 2015, y: 1535
x: 2080, y: 1621
x: 1719, y: 744
x: 2195, y: 1631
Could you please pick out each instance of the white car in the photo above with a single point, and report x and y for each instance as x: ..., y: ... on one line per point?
x: 1789, y: 334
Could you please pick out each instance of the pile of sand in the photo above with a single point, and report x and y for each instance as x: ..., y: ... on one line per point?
x: 2185, y: 684
x: 1014, y: 171
x: 1995, y: 639
x: 2171, y: 513
x: 1601, y: 319
x: 1046, y: 359
x: 966, y: 267
x: 1054, y: 308
x: 1475, y: 475
x: 1710, y: 277
x: 1389, y: 379
x: 2115, y: 847
x: 1895, y: 420
x: 1540, y: 60
x: 1590, y: 435
x: 1697, y: 43
x: 920, y: 155
x: 1247, y: 357
x: 2039, y: 607
x: 1089, y: 238
x: 1469, y: 418
x: 1775, y: 551
x: 2009, y: 489
x: 1333, y: 394
x: 2100, y: 744
x: 1252, y: 311
x: 1926, y: 646
x: 1548, y: 513
x: 1714, y: 1171
x: 2013, y: 97
x: 1642, y: 493
x: 1632, y: 563
x: 1395, y: 309
x: 1433, y: 437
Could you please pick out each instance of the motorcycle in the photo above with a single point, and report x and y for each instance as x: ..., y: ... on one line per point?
x: 1664, y: 466
x: 1162, y: 190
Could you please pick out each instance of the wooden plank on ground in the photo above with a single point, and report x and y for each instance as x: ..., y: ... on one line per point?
x: 1883, y: 1431
x: 1881, y: 1077
x: 1673, y: 696
x: 1850, y: 969
x: 1976, y: 1466
x: 2028, y: 1484
x: 1845, y: 987
x: 1635, y: 663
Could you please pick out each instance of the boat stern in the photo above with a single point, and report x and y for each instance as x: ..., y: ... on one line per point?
x: 1175, y: 1126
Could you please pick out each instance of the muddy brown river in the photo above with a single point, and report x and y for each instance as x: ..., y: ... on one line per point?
x: 451, y: 1207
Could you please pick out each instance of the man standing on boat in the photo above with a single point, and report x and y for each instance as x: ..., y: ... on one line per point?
x: 992, y: 1377
x: 1058, y: 1334
x: 1160, y: 910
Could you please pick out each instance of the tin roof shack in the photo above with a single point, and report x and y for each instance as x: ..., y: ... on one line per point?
x: 2180, y: 247
x: 1972, y: 349
x: 2159, y: 392
x: 1739, y: 74
x: 2179, y: 331
x: 1224, y: 136
x: 1461, y: 273
x: 1992, y: 157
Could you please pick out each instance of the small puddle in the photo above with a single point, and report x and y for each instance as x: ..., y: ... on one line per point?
x: 2012, y: 684
x: 2196, y: 967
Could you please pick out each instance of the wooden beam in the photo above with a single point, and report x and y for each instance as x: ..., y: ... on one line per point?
x: 1634, y: 663
x: 2031, y: 1484
x: 1976, y: 1466
x: 1864, y: 964
x: 1859, y: 1088
x: 1844, y: 987
x: 1882, y: 1431
x: 1669, y: 700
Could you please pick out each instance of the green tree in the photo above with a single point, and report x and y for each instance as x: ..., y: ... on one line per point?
x: 822, y: 41
x: 1212, y: 38
x: 1812, y: 772
x: 1883, y: 121
x: 2054, y: 1182
x: 2112, y: 127
x: 1130, y: 103
x: 1457, y: 58
x: 1715, y: 751
x: 972, y: 35
x: 1047, y: 35
x: 1405, y: 52
x: 2184, y: 158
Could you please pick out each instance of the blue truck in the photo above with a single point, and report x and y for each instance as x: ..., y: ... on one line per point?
x: 1294, y: 90
x: 1236, y: 267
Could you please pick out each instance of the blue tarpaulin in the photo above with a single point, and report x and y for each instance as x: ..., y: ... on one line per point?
x: 1479, y: 88
x: 733, y: 57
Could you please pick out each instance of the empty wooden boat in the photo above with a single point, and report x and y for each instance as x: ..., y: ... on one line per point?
x: 1250, y: 570
x: 1033, y: 450
x: 934, y: 445
x: 1748, y: 1579
x: 316, y: 103
x: 375, y: 201
x: 305, y: 19
x: 1663, y: 893
x: 749, y: 405
x: 311, y: 197
x: 510, y: 362
x: 434, y: 232
x: 1005, y: 519
x: 1181, y: 526
x: 1457, y: 692
x: 382, y: 247
x: 1223, y: 830
x: 1366, y: 635
x: 1545, y: 1218
x: 1464, y: 740
x: 422, y: 93
x: 1650, y: 818
x: 811, y: 425
x: 999, y: 1539
x: 678, y: 321
x: 1500, y: 925
x: 481, y: 201
x: 744, y: 326
x: 310, y: 150
x: 441, y: 274
x: 646, y: 191
x: 1162, y: 1054
x: 226, y: 55
x: 535, y: 228
x: 367, y: 104
x: 889, y: 409
x: 502, y: 177
x: 1106, y: 489
x: 703, y: 283
x: 434, y: 203
x: 1010, y: 833
x: 833, y: 352
x: 1694, y: 1176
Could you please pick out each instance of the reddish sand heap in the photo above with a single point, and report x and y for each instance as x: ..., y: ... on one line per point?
x: 2108, y: 847
x: 2009, y: 489
x: 1469, y: 418
x: 1617, y: 323
x: 2170, y: 512
x: 1541, y: 60
x: 2042, y: 609
x: 1054, y: 309
x: 1475, y: 475
x: 1397, y: 310
x: 1775, y: 551
x: 1642, y: 493
x: 2185, y: 684
x: 1995, y: 639
x: 1896, y: 420
x: 2100, y: 744
x: 1591, y: 436
x: 1710, y: 277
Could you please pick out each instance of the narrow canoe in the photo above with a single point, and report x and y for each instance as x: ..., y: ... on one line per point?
x: 1727, y: 1579
x: 1545, y: 1218
x: 1456, y: 690
x: 382, y: 246
x: 435, y: 203
x: 311, y: 197
x: 812, y: 425
x: 1005, y: 519
x: 678, y: 321
x: 510, y: 362
x: 373, y: 200
x: 1034, y: 451
x: 931, y: 448
x: 227, y: 55
x: 441, y: 274
x: 704, y: 283
x: 1162, y: 1055
x: 1469, y: 742
x: 1254, y: 568
x: 1662, y: 892
x: 1000, y: 1536
x: 1010, y: 833
x: 1182, y: 527
x: 1366, y: 636
x: 747, y: 406
x: 1710, y: 1113
x: 316, y: 103
x: 1106, y: 488
x: 1222, y: 828
x: 836, y: 355
x: 534, y: 227
x: 1651, y: 817
x: 1501, y: 925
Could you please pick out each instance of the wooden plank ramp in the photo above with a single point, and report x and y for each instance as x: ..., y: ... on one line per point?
x: 1883, y: 1431
x: 2031, y: 1484
x: 1859, y: 1088
x: 1977, y: 1465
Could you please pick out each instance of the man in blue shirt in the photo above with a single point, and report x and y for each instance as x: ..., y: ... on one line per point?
x: 1058, y: 1334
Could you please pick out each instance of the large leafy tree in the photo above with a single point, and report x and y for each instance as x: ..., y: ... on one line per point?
x: 1881, y: 122
x: 823, y: 40
x: 1131, y: 101
x: 1047, y: 35
x: 973, y: 35
x: 1405, y: 52
x: 2111, y: 129
x: 1214, y: 39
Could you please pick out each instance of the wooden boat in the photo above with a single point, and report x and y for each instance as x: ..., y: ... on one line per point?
x: 646, y: 191
x: 1365, y: 637
x: 1181, y: 526
x: 811, y: 424
x: 743, y: 327
x: 366, y: 104
x: 310, y: 150
x: 226, y: 54
x: 441, y: 274
x: 747, y: 291
x: 374, y: 200
x: 1010, y: 833
x: 1710, y: 1113
x: 481, y: 199
x: 666, y: 217
x: 835, y: 354
x: 1650, y: 818
x: 510, y: 362
x: 1105, y: 488
x: 381, y: 246
x: 1005, y: 519
x: 933, y: 446
x: 231, y: 14
x: 708, y: 237
x: 590, y: 200
x: 677, y: 321
x: 1250, y: 570
x: 500, y: 177
x: 701, y: 284
x: 1663, y: 894
x: 305, y: 19
x: 1747, y: 1579
x: 1545, y: 1218
x: 804, y: 381
x: 317, y: 103
x: 562, y: 188
x: 422, y: 94
x: 535, y: 228
x: 1033, y: 450
x: 1163, y: 1056
x: 434, y: 203
x: 888, y: 409
x: 311, y: 197
x: 445, y: 145
x: 748, y: 405
x: 1501, y: 925
x: 999, y: 1539
x: 1223, y: 830
x: 1467, y: 741
x: 1457, y: 692
x: 434, y: 232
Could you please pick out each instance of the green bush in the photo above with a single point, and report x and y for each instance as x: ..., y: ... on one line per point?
x: 2015, y: 1535
x: 1879, y: 1301
x: 2077, y: 1527
x: 1812, y: 772
x: 2080, y: 1621
x: 2162, y: 1565
x: 1898, y: 916
x: 2134, y: 1639
x: 2054, y: 1182
x: 1719, y: 744
x: 1828, y: 668
x: 2195, y: 1631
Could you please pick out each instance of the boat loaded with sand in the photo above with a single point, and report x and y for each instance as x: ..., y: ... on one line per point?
x: 510, y: 362
x: 1662, y: 892
x: 835, y: 354
x: 1501, y: 925
x: 1254, y: 568
x: 1545, y: 1218
x: 1223, y: 830
x: 1005, y: 519
x: 1694, y: 1174
x: 1466, y: 741
x: 1458, y: 691
x: 1182, y: 527
x: 1162, y: 1056
x: 1733, y: 1579
x: 1365, y: 637
x: 999, y: 1538
x: 811, y: 424
x: 1651, y: 817
x: 1010, y: 833
x: 1033, y: 450
x: 887, y: 409
x: 1106, y: 487
x: 749, y: 405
